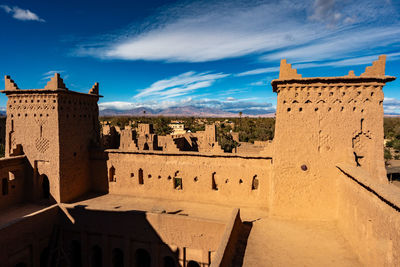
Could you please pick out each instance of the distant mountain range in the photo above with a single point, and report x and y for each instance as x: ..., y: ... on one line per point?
x: 186, y: 111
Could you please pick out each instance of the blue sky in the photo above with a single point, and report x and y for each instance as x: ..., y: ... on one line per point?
x: 220, y: 54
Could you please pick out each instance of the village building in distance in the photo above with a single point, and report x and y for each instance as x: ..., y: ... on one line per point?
x: 75, y: 193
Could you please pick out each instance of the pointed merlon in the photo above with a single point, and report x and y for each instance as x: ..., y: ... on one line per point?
x: 377, y: 69
x: 55, y: 83
x: 351, y: 74
x: 95, y: 89
x: 286, y: 71
x: 9, y: 83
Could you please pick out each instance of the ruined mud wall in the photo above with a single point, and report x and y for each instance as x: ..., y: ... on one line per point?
x: 227, y: 180
x: 15, y: 181
x: 368, y: 216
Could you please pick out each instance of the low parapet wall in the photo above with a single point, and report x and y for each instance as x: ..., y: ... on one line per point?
x: 226, y: 250
x: 368, y: 216
x: 218, y: 179
x: 14, y: 181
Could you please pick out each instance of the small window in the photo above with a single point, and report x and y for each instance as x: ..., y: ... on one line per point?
x: 254, y: 184
x: 141, y: 176
x: 214, y: 185
x: 178, y: 183
x: 111, y: 174
x: 4, y: 186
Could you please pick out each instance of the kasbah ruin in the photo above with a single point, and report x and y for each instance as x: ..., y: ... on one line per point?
x: 317, y: 195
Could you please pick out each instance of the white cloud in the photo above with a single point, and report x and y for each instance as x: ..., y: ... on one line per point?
x: 258, y: 71
x: 21, y: 14
x: 206, y: 31
x: 48, y: 75
x: 179, y: 85
x: 391, y: 106
x: 348, y: 44
x: 247, y: 106
x: 363, y: 60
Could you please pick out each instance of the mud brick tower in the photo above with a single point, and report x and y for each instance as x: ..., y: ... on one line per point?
x: 55, y: 128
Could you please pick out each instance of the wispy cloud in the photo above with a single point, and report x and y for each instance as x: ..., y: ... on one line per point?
x: 350, y: 43
x: 258, y: 71
x: 180, y: 85
x: 302, y: 31
x: 230, y: 104
x: 21, y: 14
x: 391, y: 106
x: 48, y: 75
x: 363, y: 60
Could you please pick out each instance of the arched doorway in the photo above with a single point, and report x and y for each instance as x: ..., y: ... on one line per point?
x: 169, y: 262
x: 45, y: 186
x: 142, y: 258
x: 193, y: 264
x: 111, y: 174
x: 117, y: 258
x: 76, y: 255
x: 146, y: 146
x: 96, y: 257
x: 44, y: 257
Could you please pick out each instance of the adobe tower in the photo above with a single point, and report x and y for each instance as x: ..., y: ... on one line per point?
x: 321, y: 122
x: 55, y: 128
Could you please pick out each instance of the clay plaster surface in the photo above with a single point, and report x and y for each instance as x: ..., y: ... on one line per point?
x: 277, y: 242
x: 121, y: 203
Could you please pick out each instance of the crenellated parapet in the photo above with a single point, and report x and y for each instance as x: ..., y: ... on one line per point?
x: 377, y: 69
x: 56, y: 83
x: 286, y: 71
x: 54, y: 127
x: 10, y: 85
x: 95, y: 89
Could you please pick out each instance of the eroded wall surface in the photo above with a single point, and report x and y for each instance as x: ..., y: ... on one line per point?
x: 321, y: 122
x: 227, y: 180
x: 368, y: 216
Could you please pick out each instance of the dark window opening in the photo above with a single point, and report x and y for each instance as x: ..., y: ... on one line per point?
x: 4, y: 186
x: 178, y: 183
x: 214, y: 185
x: 44, y: 257
x: 146, y: 147
x: 117, y: 257
x: 141, y: 181
x: 193, y: 264
x: 169, y: 262
x: 45, y: 186
x: 111, y: 174
x: 142, y: 258
x: 76, y: 254
x: 96, y: 259
x: 254, y: 183
x: 21, y: 264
